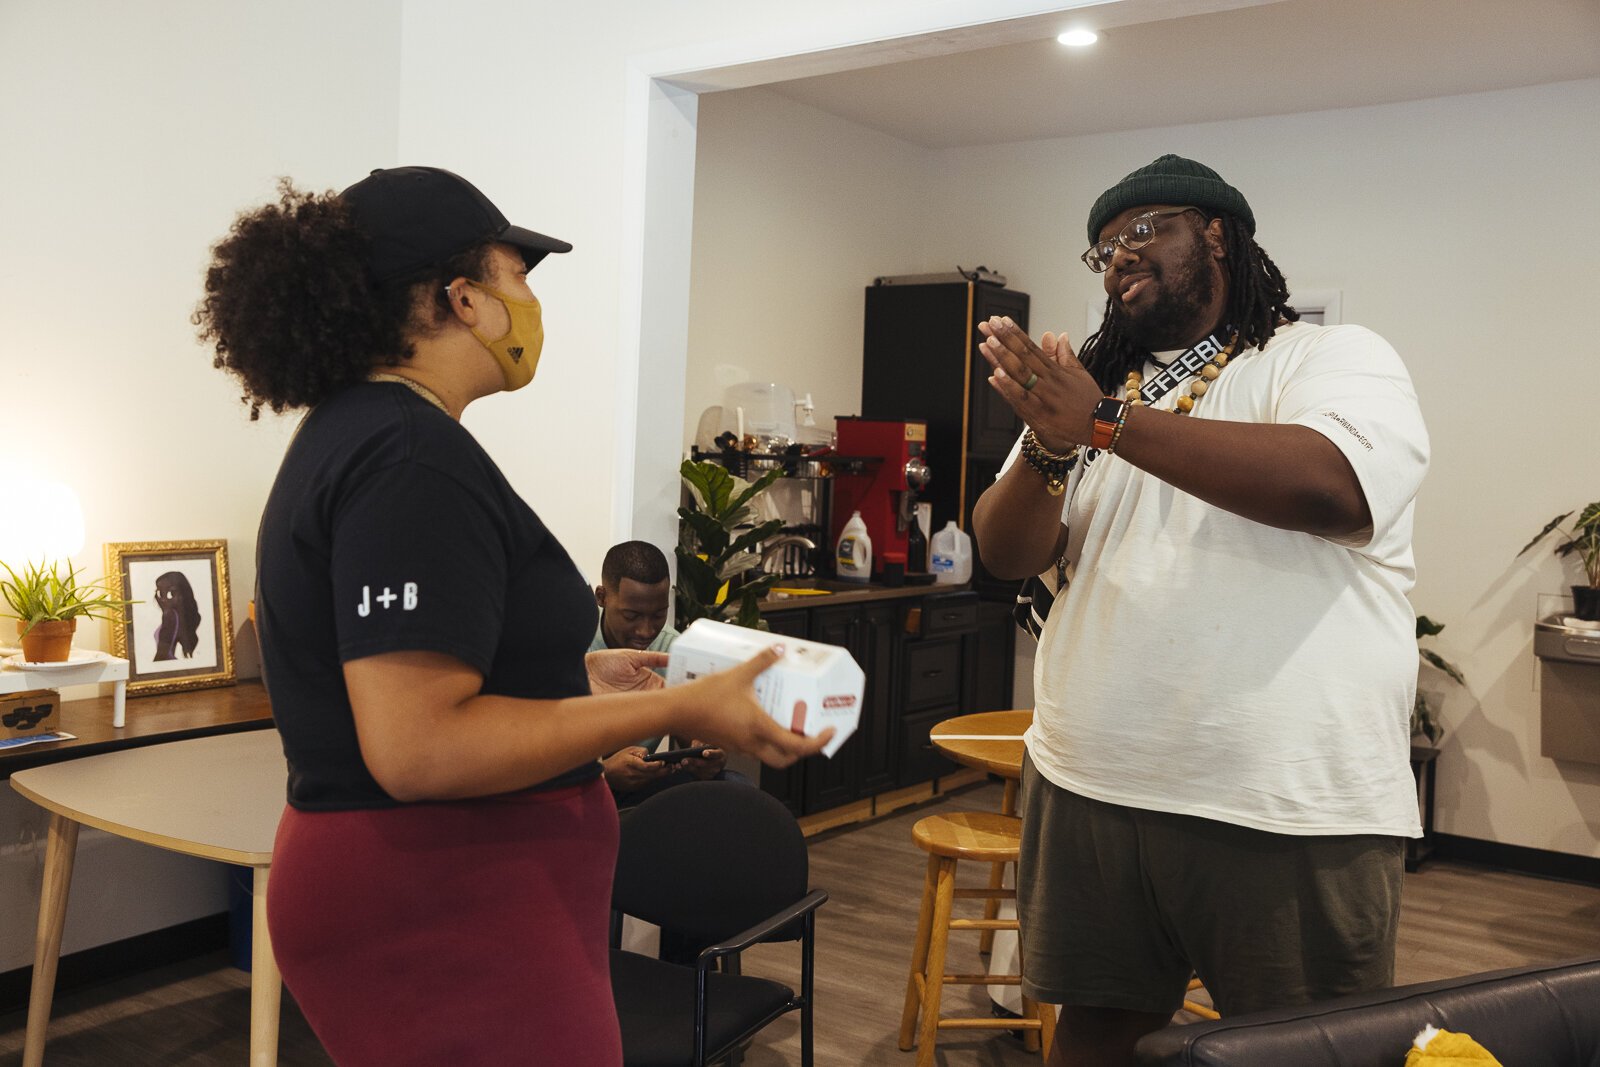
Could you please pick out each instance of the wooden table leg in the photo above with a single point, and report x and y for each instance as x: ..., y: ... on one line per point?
x: 60, y: 850
x: 266, y: 986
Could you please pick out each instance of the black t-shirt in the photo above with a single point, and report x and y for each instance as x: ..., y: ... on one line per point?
x: 389, y: 529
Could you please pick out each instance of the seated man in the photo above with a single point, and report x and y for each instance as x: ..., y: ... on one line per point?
x: 632, y: 594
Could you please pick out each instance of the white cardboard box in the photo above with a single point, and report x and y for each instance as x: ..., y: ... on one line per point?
x: 814, y: 686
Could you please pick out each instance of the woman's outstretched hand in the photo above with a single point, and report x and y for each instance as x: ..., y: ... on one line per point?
x: 623, y: 670
x: 722, y: 707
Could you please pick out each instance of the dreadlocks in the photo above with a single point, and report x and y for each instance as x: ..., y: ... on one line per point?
x: 1257, y: 298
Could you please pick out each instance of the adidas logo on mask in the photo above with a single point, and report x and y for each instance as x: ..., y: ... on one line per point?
x: 515, y: 354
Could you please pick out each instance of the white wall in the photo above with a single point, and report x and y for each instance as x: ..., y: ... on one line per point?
x: 547, y: 134
x: 132, y: 138
x: 1462, y: 230
x: 795, y: 212
x: 132, y: 134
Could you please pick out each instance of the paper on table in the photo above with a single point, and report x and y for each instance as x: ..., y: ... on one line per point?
x: 18, y: 742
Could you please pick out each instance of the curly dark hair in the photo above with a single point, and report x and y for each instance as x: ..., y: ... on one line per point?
x: 639, y: 560
x: 292, y: 312
x: 1258, y: 297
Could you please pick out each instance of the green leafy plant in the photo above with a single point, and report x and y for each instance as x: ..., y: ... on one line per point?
x: 1424, y: 718
x: 41, y: 594
x: 1583, y: 538
x: 716, y: 558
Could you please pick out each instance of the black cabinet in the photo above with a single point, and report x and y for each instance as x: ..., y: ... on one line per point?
x: 834, y: 782
x: 864, y: 765
x: 879, y: 644
x: 920, y: 360
x: 788, y: 784
x: 957, y: 661
x: 940, y: 666
x: 919, y: 760
x: 993, y: 648
x: 926, y: 657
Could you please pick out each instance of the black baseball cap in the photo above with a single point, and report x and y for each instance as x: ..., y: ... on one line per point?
x: 419, y: 217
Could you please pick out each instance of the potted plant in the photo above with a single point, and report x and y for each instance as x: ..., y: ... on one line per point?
x: 1424, y: 718
x: 47, y: 605
x: 1583, y: 537
x: 715, y: 556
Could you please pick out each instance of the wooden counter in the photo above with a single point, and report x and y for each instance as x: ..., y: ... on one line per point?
x: 865, y: 593
x: 151, y: 720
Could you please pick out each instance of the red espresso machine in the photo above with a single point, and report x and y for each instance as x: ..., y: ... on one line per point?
x: 885, y: 492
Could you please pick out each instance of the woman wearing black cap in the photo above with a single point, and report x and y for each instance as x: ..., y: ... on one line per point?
x: 442, y: 874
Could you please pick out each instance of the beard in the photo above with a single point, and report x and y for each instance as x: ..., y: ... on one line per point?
x: 1175, y: 318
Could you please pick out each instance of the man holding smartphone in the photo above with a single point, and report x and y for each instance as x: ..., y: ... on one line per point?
x: 635, y: 584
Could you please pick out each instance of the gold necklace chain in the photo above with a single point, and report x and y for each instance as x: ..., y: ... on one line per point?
x: 416, y: 387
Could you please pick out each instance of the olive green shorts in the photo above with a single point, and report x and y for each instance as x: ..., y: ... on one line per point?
x: 1118, y: 905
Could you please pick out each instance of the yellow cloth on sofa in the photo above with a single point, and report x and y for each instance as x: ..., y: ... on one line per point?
x: 1441, y: 1048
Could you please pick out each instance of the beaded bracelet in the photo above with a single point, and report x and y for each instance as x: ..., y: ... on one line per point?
x: 1116, y: 433
x: 1053, y: 467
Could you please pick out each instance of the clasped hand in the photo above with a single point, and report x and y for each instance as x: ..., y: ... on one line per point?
x: 1044, y: 383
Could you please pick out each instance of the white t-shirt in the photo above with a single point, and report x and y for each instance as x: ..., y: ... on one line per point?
x: 1206, y: 664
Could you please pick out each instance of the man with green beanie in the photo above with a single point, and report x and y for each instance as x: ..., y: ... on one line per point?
x: 1217, y: 778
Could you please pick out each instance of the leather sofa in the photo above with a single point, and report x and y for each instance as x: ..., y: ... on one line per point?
x: 1540, y: 1016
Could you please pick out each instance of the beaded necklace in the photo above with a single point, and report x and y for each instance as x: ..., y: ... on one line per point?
x: 1197, y: 388
x: 416, y: 387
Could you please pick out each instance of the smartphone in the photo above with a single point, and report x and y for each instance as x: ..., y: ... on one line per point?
x: 673, y: 755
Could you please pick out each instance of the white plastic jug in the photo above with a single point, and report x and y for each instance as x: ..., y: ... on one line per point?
x: 853, y: 558
x: 952, y: 555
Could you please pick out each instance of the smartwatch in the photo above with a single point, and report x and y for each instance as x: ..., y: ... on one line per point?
x: 1108, y: 415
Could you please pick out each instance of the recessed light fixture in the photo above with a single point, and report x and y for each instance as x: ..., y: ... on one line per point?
x: 1078, y: 38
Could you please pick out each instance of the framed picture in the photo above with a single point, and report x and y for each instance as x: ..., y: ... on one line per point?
x: 178, y: 633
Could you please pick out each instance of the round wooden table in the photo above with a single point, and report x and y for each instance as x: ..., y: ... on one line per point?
x: 218, y: 798
x: 990, y: 741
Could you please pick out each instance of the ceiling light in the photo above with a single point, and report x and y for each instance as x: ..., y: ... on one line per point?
x: 1078, y: 38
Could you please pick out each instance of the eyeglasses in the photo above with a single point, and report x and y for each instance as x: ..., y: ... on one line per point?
x: 1136, y: 234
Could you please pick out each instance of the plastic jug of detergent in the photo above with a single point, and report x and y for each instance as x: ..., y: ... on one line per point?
x: 853, y: 558
x: 952, y: 555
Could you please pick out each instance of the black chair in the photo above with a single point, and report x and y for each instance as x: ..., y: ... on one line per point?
x: 1547, y: 1015
x: 724, y: 866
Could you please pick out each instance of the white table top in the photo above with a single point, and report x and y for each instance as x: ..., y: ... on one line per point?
x: 84, y: 668
x: 214, y: 797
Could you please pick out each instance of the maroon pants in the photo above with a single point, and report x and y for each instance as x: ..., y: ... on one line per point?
x: 468, y: 933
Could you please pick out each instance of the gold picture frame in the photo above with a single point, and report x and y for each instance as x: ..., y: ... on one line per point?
x: 178, y: 633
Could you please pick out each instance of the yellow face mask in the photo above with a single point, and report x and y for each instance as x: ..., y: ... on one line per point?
x: 518, y: 351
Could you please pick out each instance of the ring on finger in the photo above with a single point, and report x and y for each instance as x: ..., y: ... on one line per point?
x: 1033, y: 380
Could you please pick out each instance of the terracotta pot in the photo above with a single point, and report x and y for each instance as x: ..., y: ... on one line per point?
x: 49, y: 641
x: 1586, y: 602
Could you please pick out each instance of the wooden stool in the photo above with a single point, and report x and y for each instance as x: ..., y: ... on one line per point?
x: 984, y: 837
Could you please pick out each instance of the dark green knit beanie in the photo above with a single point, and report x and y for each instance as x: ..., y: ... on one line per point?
x: 1170, y: 180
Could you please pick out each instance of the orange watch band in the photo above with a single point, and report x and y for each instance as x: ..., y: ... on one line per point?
x: 1108, y: 416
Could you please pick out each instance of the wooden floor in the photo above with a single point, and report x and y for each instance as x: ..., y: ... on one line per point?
x: 1455, y: 920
